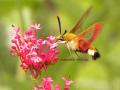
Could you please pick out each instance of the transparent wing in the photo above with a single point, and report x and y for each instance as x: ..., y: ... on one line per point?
x: 92, y: 32
x: 77, y: 25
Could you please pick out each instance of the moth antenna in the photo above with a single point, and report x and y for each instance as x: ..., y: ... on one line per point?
x: 59, y: 23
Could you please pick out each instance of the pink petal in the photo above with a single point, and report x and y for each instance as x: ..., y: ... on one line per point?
x: 57, y: 87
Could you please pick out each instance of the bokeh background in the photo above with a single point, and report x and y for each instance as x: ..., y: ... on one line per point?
x: 103, y: 74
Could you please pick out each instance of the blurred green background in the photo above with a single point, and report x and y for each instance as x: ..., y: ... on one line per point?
x: 103, y: 74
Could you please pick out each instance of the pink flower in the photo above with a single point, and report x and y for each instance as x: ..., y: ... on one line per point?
x: 34, y: 53
x: 57, y: 87
x: 36, y: 26
x: 67, y: 83
x: 46, y: 84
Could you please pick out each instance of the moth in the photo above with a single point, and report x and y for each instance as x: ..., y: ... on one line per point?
x: 78, y: 42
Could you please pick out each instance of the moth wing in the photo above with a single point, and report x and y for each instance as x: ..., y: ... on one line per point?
x: 77, y: 25
x: 92, y: 32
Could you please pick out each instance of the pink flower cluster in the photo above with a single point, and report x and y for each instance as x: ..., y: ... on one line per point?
x: 46, y: 84
x: 34, y: 53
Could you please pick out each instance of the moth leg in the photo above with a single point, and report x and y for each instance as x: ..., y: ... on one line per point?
x: 81, y: 59
x: 76, y: 53
x: 70, y: 51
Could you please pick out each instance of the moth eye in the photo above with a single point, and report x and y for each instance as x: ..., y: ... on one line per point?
x: 61, y: 38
